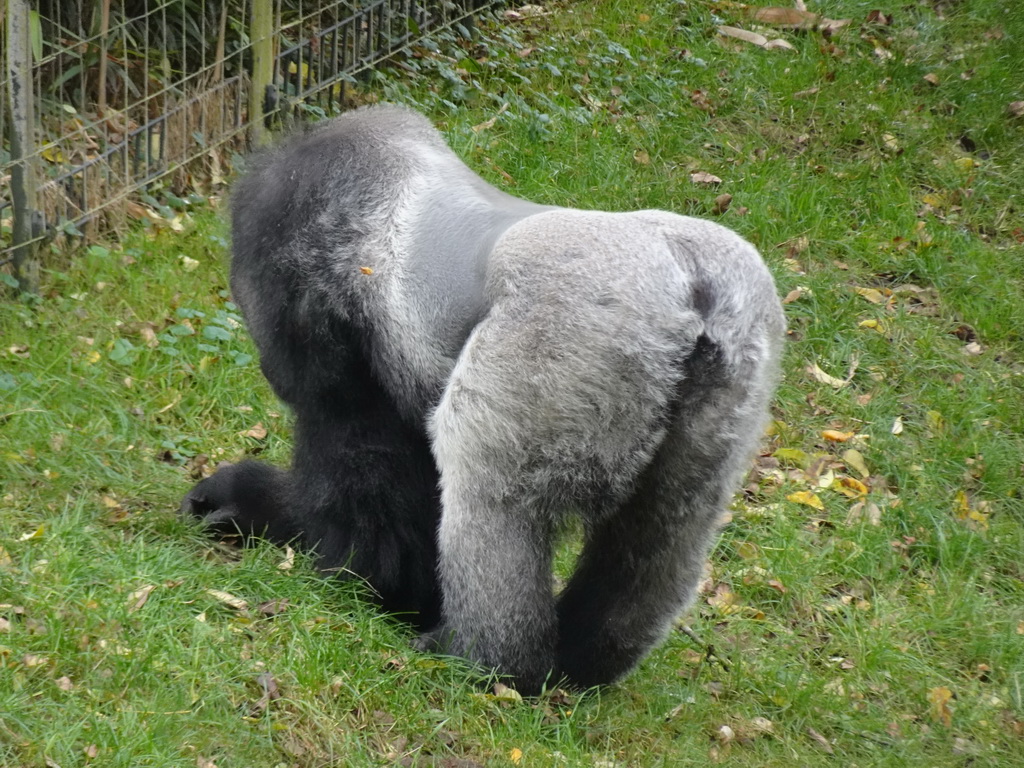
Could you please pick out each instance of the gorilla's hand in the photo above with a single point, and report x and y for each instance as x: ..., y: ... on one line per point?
x: 249, y: 498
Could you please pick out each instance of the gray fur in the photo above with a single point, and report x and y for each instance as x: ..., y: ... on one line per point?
x: 616, y: 366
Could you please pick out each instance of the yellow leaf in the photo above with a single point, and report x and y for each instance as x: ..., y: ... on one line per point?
x: 835, y: 436
x: 366, y: 270
x: 36, y: 534
x: 747, y: 550
x: 793, y: 456
x: 92, y: 357
x: 935, y: 420
x: 934, y: 200
x: 515, y: 755
x: 873, y: 295
x: 807, y: 499
x: 851, y: 487
x: 874, y: 325
x: 855, y: 461
x: 939, y: 698
x: 965, y: 164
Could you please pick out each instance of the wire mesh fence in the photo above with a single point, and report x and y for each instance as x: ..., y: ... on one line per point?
x: 102, y: 98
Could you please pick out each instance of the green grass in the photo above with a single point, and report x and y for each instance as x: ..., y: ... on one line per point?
x: 129, y: 375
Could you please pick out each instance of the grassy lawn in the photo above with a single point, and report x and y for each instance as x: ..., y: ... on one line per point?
x: 865, y: 605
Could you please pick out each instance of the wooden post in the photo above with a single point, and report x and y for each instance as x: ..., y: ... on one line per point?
x: 261, y: 36
x: 23, y: 183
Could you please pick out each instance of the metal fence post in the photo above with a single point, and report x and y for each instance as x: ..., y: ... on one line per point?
x: 23, y: 183
x: 261, y: 35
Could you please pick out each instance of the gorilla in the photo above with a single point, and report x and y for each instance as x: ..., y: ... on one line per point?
x: 467, y: 369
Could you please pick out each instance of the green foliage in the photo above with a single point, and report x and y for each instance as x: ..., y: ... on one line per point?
x: 880, y: 626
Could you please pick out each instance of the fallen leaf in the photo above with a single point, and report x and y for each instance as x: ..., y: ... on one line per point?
x: 795, y: 294
x: 939, y: 698
x: 503, y: 692
x: 973, y: 349
x: 855, y: 461
x: 289, y: 559
x: 873, y: 325
x: 863, y: 510
x: 257, y: 432
x: 366, y: 270
x: 834, y: 436
x: 851, y: 487
x: 36, y: 534
x: 778, y: 44
x: 228, y: 599
x: 820, y: 376
x: 931, y: 78
x: 138, y: 598
x: 702, y: 177
x: 807, y: 498
x: 897, y: 426
x: 722, y: 203
x: 64, y: 683
x: 490, y: 123
x: 790, y: 18
x: 744, y: 35
x: 1016, y: 108
x: 821, y: 740
x: 641, y: 157
x: 515, y: 755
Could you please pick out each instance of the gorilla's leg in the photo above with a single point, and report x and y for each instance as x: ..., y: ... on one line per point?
x: 640, y: 565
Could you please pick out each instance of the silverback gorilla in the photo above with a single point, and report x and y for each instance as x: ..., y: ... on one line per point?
x: 467, y: 368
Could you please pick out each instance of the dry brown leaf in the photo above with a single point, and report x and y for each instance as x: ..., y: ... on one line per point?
x: 1016, y: 109
x: 744, y: 35
x: 820, y: 376
x: 820, y: 740
x: 795, y: 295
x: 257, y: 432
x: 703, y: 177
x: 228, y: 599
x: 722, y: 203
x: 778, y: 44
x: 641, y: 157
x: 289, y: 559
x: 931, y: 78
x: 138, y: 598
x: 490, y: 123
x: 829, y: 27
x: 973, y: 349
x: 790, y: 18
x: 864, y: 510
